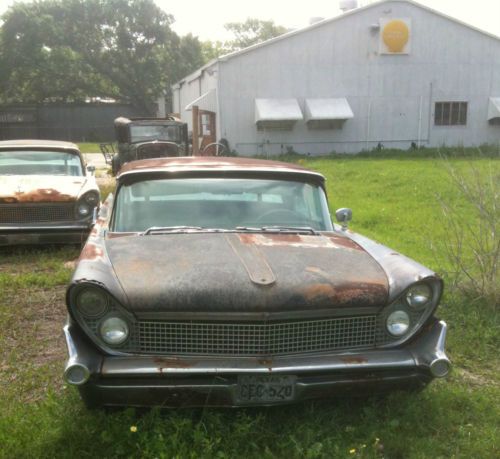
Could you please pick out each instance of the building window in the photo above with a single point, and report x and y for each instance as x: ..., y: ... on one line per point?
x: 450, y: 114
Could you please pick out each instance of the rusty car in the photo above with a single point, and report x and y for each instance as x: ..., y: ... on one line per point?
x: 47, y: 194
x: 212, y: 281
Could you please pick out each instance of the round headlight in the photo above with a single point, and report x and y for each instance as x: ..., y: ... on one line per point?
x: 92, y: 302
x: 114, y: 330
x: 398, y: 323
x: 419, y: 295
x: 92, y: 198
x: 83, y: 210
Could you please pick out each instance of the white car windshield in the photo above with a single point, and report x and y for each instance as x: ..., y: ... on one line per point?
x: 219, y: 203
x: 38, y: 162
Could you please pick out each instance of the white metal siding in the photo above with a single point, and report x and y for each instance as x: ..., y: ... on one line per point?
x: 392, y: 96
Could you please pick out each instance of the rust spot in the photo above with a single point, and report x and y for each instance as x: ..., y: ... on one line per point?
x: 43, y: 195
x: 349, y: 294
x: 354, y: 359
x: 345, y: 242
x: 8, y: 200
x: 164, y: 363
x: 266, y: 362
x: 193, y: 163
x: 247, y: 238
x: 284, y: 237
x: 315, y: 291
x: 91, y: 251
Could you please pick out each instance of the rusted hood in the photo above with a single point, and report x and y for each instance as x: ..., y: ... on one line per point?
x: 40, y: 188
x: 245, y: 273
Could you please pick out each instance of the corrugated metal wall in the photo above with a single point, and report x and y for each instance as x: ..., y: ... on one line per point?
x: 392, y: 96
x: 76, y: 123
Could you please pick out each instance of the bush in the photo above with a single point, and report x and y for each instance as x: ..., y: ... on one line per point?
x: 472, y: 243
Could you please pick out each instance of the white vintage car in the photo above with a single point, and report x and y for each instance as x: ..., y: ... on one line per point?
x: 47, y: 195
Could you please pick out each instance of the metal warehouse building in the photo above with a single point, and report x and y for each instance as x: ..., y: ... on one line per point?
x: 393, y: 73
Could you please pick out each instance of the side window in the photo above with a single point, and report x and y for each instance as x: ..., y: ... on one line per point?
x: 450, y: 114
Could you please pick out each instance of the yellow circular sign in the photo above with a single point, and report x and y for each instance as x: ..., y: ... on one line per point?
x: 395, y: 35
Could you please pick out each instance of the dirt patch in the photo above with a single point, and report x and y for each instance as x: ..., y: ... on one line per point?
x: 475, y: 379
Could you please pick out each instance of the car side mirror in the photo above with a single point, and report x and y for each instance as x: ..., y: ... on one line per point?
x: 91, y: 169
x: 343, y: 216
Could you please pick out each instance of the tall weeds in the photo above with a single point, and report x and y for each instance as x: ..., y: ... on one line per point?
x: 472, y: 242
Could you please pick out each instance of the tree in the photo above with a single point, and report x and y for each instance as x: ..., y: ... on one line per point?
x: 70, y: 49
x: 251, y: 32
x: 247, y: 33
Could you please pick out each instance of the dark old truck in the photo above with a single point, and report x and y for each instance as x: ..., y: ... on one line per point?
x: 142, y: 138
x: 223, y: 282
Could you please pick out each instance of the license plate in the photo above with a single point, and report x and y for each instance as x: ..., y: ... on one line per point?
x: 265, y: 388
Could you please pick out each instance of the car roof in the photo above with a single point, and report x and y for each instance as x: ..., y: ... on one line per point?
x: 208, y: 164
x: 38, y: 143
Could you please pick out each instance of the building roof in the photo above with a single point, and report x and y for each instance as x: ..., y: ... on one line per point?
x: 340, y: 17
x: 37, y: 143
x: 214, y: 164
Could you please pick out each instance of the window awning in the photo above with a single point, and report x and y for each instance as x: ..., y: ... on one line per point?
x: 277, y: 110
x: 207, y: 102
x: 327, y: 113
x: 494, y: 108
x: 328, y: 109
x: 277, y: 114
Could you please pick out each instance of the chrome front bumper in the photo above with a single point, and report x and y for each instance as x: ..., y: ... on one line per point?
x: 50, y: 234
x: 195, y: 380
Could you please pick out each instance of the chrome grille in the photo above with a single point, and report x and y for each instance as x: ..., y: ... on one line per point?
x: 36, y: 213
x: 242, y: 339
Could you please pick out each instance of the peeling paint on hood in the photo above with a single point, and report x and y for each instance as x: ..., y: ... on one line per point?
x: 40, y: 188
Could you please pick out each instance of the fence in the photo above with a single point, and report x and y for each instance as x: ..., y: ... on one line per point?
x: 76, y: 123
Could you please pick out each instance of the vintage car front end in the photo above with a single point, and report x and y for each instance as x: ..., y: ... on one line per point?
x: 244, y: 315
x: 46, y: 196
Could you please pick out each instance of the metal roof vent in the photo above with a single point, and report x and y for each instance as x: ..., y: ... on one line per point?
x: 315, y: 20
x: 347, y: 5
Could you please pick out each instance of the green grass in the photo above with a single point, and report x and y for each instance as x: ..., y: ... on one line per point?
x: 88, y: 147
x: 394, y: 201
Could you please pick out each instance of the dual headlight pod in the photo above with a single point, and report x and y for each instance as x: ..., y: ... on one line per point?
x: 94, y: 306
x: 87, y: 203
x: 417, y: 298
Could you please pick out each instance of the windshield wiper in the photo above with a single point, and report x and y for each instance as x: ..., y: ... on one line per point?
x: 180, y: 229
x: 278, y: 229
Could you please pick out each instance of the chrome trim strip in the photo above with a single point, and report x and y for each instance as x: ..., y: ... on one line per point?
x: 256, y: 316
x: 44, y: 228
x: 149, y: 366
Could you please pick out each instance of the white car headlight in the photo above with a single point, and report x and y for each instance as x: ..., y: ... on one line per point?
x: 114, y: 330
x: 419, y: 296
x: 83, y: 209
x: 398, y: 323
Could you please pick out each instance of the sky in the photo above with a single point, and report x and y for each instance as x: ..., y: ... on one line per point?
x: 206, y: 19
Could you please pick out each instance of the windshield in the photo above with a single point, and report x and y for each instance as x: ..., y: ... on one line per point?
x: 141, y: 133
x: 37, y: 162
x: 219, y: 203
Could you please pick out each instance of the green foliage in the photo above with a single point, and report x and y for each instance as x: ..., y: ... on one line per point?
x: 252, y: 31
x: 247, y: 33
x: 67, y: 50
x: 213, y: 49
